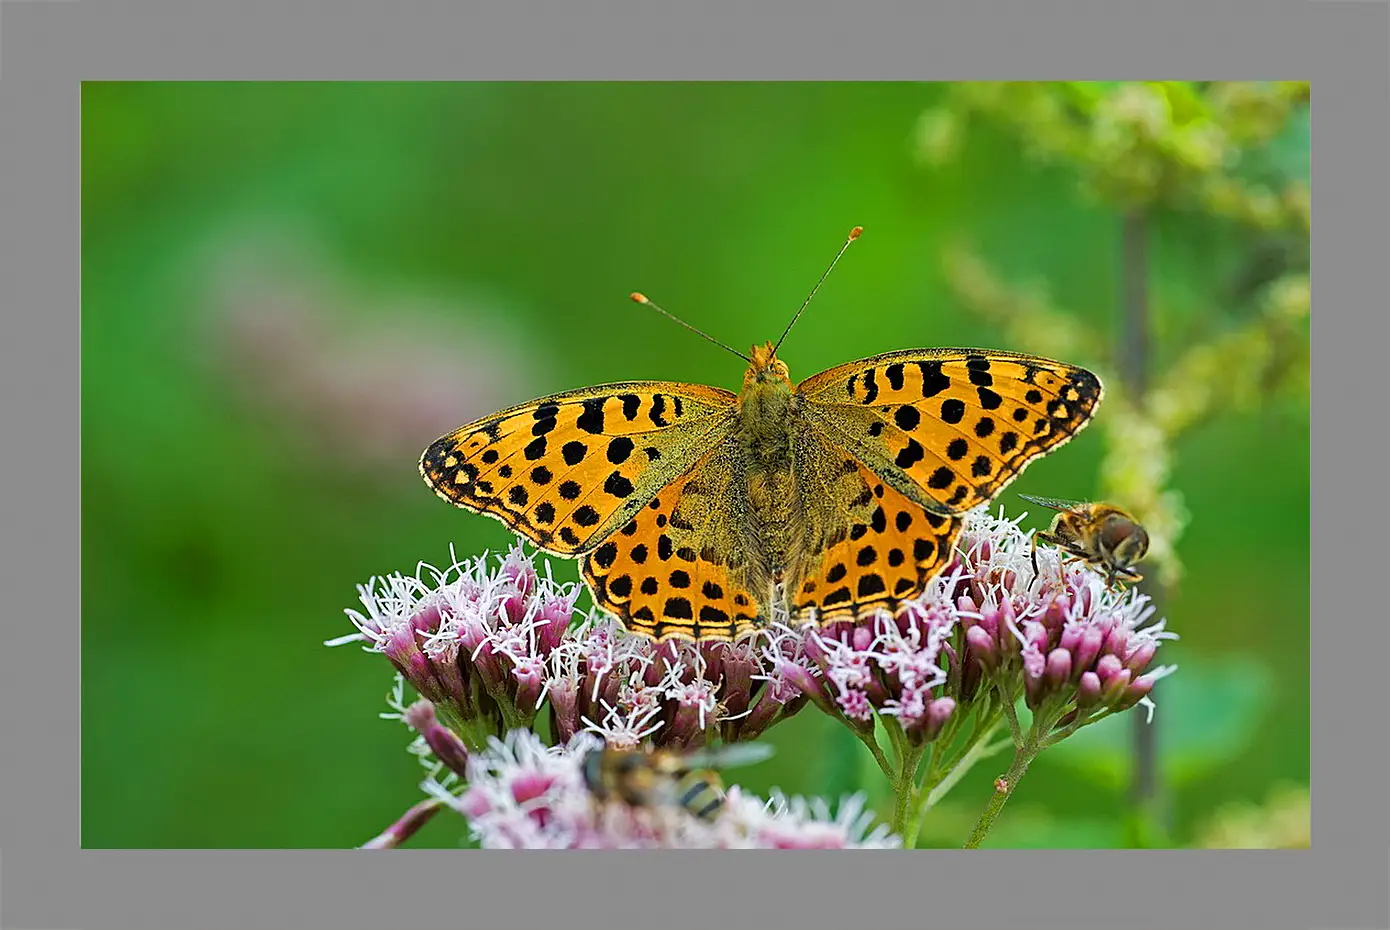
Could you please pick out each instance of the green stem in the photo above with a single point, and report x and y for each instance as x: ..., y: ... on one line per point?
x: 877, y: 751
x: 984, y: 726
x: 905, y: 794
x: 1004, y: 787
x: 1016, y: 732
x: 982, y: 749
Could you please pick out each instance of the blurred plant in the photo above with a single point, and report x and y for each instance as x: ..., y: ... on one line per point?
x: 1234, y: 154
x: 496, y: 649
x: 370, y: 380
x: 1282, y: 822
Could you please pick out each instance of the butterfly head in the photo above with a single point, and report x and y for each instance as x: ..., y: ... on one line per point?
x: 765, y: 368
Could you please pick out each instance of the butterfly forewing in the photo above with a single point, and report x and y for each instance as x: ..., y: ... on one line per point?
x: 949, y: 428
x: 567, y: 471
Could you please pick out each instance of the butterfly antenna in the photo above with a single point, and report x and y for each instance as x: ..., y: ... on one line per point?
x: 854, y: 234
x: 641, y: 298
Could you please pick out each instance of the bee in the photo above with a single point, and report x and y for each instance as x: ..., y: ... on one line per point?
x: 651, y: 779
x: 1102, y: 535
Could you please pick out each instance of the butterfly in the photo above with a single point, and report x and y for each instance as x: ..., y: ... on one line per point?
x: 1102, y: 535
x: 697, y: 512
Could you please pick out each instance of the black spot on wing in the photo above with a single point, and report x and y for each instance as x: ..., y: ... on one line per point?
x: 573, y: 452
x: 592, y: 419
x: 619, y: 449
x: 934, y: 382
x: 871, y: 388
x: 910, y: 454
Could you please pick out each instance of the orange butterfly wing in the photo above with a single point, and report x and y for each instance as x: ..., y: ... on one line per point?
x: 567, y: 471
x: 880, y: 562
x: 950, y: 428
x: 671, y: 572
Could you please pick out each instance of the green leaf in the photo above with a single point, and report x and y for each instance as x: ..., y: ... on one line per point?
x: 1208, y: 713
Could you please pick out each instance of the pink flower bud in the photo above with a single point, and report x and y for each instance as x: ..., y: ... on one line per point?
x: 1059, y: 668
x: 1140, y: 655
x: 938, y: 713
x: 982, y: 648
x: 1115, y: 686
x: 406, y: 827
x: 1117, y: 641
x: 760, y: 717
x: 528, y: 672
x: 443, y: 742
x: 1088, y: 649
x: 1088, y: 689
x: 861, y: 638
x: 553, y: 619
x: 565, y: 714
x: 1107, y: 667
x: 685, y: 725
x: 1137, y: 689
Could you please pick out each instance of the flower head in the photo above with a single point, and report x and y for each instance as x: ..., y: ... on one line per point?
x: 475, y: 639
x: 492, y: 642
x: 986, y: 618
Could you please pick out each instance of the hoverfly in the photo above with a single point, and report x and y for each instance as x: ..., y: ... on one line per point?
x: 1101, y: 535
x: 663, y: 779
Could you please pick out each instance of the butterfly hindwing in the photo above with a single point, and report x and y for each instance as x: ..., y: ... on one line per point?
x: 568, y: 470
x: 878, y: 562
x: 949, y: 428
x: 675, y: 570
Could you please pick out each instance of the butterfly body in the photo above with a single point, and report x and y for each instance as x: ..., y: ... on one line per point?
x: 698, y: 513
x: 1099, y: 534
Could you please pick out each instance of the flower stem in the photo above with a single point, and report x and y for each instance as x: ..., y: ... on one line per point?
x: 942, y: 775
x: 982, y: 749
x: 907, y: 817
x: 876, y: 751
x: 1004, y: 787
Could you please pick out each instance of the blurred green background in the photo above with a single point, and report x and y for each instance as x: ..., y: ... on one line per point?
x: 290, y: 289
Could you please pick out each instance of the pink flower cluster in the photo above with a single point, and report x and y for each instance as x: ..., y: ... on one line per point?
x: 490, y: 645
x: 986, y: 617
x: 524, y: 795
x: 1070, y: 637
x: 471, y: 640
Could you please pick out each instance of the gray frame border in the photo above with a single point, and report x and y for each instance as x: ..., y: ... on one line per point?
x: 46, y: 48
